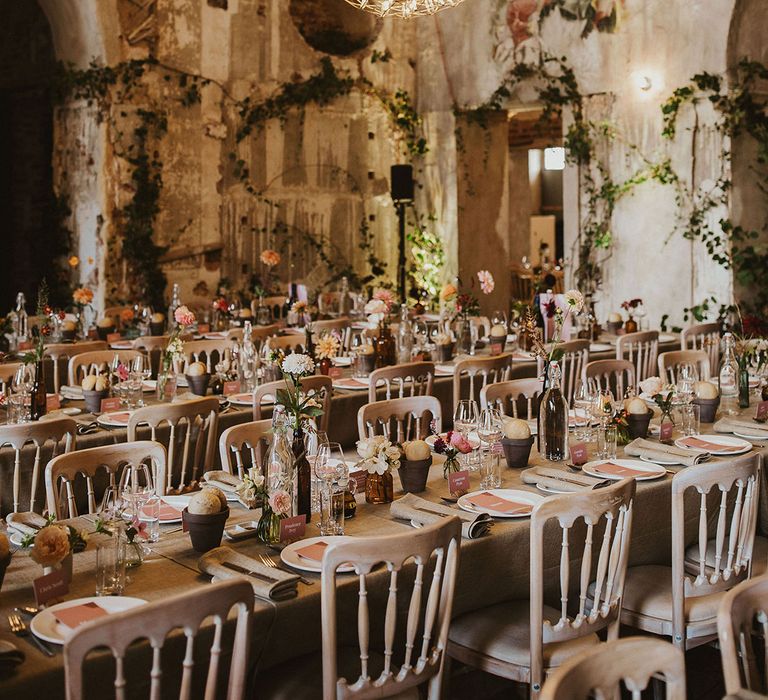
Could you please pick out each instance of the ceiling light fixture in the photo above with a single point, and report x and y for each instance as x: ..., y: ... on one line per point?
x: 403, y: 8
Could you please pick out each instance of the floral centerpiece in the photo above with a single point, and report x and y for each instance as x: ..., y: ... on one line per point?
x: 269, y: 259
x: 458, y: 304
x: 274, y: 507
x: 631, y: 306
x: 574, y: 303
x: 54, y: 544
x: 173, y: 352
x: 326, y: 349
x: 378, y: 310
x: 452, y: 445
x: 83, y: 300
x: 378, y: 456
x: 300, y: 407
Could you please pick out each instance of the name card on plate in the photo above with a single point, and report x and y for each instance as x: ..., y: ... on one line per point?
x: 231, y: 388
x: 458, y: 482
x: 110, y: 404
x: 50, y: 586
x: 293, y: 528
x: 665, y: 433
x: 496, y: 348
x: 113, y: 337
x: 334, y: 372
x: 52, y: 402
x: 762, y: 412
x: 203, y: 328
x: 579, y: 453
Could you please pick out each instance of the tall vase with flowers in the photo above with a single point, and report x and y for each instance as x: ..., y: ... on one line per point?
x: 326, y: 349
x: 631, y: 306
x: 300, y: 408
x: 38, y: 399
x: 378, y: 310
x: 270, y: 259
x: 274, y: 507
x: 461, y: 304
x: 83, y: 300
x: 553, y: 408
x: 173, y: 353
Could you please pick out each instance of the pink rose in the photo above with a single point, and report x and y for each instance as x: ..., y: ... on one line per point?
x: 183, y: 316
x: 486, y: 281
x: 460, y: 443
x: 280, y: 502
x: 122, y: 372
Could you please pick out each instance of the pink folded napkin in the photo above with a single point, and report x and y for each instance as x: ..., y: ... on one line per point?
x: 350, y: 382
x: 314, y: 551
x: 698, y: 444
x: 617, y: 470
x: 241, y: 397
x: 76, y: 615
x: 500, y: 505
x: 122, y: 417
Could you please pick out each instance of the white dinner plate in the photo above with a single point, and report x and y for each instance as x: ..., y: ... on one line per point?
x: 122, y: 345
x: 551, y: 490
x: 352, y: 383
x: 473, y: 437
x: 666, y: 338
x: 114, y: 419
x: 600, y: 347
x: 292, y: 559
x: 45, y: 626
x: 726, y: 441
x: 215, y: 335
x: 149, y: 385
x: 246, y: 399
x: 648, y: 470
x: 342, y: 361
x: 750, y: 436
x: 445, y: 370
x: 525, y: 497
x: 15, y: 539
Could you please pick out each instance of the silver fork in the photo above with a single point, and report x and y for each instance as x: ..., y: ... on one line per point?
x: 272, y: 564
x: 19, y: 628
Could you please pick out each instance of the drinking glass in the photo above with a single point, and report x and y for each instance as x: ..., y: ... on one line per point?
x: 489, y: 427
x: 329, y: 471
x: 332, y: 509
x: 110, y: 567
x: 602, y: 406
x: 23, y: 380
x: 606, y: 442
x: 499, y: 318
x: 490, y: 470
x: 691, y: 419
x: 466, y: 416
x: 583, y: 398
x: 687, y: 376
x: 136, y: 488
x: 316, y: 443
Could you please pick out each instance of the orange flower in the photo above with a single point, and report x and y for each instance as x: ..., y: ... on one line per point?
x: 90, y: 260
x: 126, y: 315
x: 270, y: 258
x: 82, y: 295
x: 73, y: 261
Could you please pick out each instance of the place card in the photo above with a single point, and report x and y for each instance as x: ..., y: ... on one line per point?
x: 761, y: 414
x: 50, y: 587
x: 26, y: 345
x: 232, y: 387
x: 203, y: 328
x: 579, y: 453
x: 359, y: 476
x: 76, y: 615
x: 52, y: 402
x: 335, y: 372
x: 313, y: 552
x: 496, y: 348
x: 110, y: 404
x: 665, y: 432
x: 497, y: 448
x: 292, y: 529
x: 113, y: 337
x: 458, y: 482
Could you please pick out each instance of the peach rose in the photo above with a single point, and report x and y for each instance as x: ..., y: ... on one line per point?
x: 51, y: 545
x: 126, y: 315
x: 461, y: 443
x: 448, y: 292
x: 280, y: 502
x: 270, y: 257
x: 183, y: 316
x: 82, y: 295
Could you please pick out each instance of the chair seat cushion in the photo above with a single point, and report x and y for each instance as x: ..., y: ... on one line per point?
x: 759, y: 556
x: 302, y: 678
x: 502, y: 632
x: 648, y: 592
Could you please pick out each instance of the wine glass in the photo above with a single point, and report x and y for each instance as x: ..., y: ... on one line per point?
x: 602, y: 406
x: 22, y: 380
x: 687, y: 376
x: 465, y: 417
x: 489, y: 427
x: 499, y: 318
x: 583, y: 397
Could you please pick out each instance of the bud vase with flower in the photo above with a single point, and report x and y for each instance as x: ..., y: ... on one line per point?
x: 452, y: 445
x: 173, y: 353
x: 378, y: 457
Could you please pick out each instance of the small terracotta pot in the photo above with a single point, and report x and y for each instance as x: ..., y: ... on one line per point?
x: 413, y: 474
x: 369, y: 362
x: 157, y: 328
x: 444, y: 353
x: 198, y: 384
x: 104, y: 331
x: 517, y: 451
x: 93, y: 399
x: 637, y: 424
x: 707, y: 409
x: 68, y: 336
x: 614, y: 326
x: 496, y: 340
x: 205, y: 530
x: 324, y: 365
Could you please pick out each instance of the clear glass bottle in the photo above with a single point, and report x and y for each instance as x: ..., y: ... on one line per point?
x: 175, y: 304
x: 728, y: 377
x: 404, y: 337
x: 553, y: 418
x: 247, y: 360
x: 344, y: 297
x: 278, y: 461
x: 20, y: 319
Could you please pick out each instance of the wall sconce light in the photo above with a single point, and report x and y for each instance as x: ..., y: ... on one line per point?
x: 642, y: 81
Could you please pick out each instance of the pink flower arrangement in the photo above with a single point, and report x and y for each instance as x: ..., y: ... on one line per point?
x: 122, y: 372
x: 386, y: 296
x: 270, y: 257
x: 183, y: 316
x: 487, y: 282
x: 221, y: 304
x: 460, y: 442
x: 280, y: 502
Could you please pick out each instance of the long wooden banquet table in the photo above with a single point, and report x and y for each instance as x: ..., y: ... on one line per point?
x: 492, y: 569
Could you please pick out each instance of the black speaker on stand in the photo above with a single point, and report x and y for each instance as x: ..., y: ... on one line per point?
x: 401, y: 186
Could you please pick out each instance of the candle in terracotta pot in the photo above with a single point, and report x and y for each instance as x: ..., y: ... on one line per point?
x: 516, y: 429
x: 196, y: 369
x: 416, y: 450
x: 706, y: 390
x: 498, y: 331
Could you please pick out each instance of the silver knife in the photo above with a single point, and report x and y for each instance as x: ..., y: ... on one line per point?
x: 247, y: 572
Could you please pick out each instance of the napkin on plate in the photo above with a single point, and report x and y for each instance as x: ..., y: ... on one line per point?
x: 612, y: 469
x: 74, y: 393
x: 412, y: 507
x: 223, y: 480
x: 268, y: 583
x: 696, y: 443
x: 25, y: 523
x: 557, y: 479
x: 742, y: 425
x: 445, y: 369
x: 656, y: 450
x: 498, y: 504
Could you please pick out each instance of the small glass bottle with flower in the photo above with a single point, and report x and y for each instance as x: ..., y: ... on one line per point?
x: 173, y: 354
x: 451, y: 445
x: 326, y: 349
x: 378, y: 457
